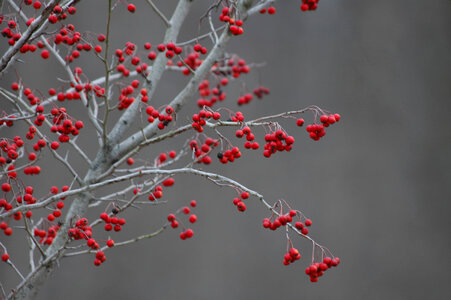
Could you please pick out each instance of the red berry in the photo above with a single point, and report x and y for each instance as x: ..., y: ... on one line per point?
x: 131, y: 8
x: 5, y: 257
x: 45, y: 54
x: 6, y: 187
x: 193, y: 218
x: 189, y: 233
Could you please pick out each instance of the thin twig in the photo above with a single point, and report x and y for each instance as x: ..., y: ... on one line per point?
x: 159, y: 13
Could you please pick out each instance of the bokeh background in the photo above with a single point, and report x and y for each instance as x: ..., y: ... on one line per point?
x: 377, y: 187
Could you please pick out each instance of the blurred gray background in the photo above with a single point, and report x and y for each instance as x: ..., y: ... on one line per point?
x: 377, y: 187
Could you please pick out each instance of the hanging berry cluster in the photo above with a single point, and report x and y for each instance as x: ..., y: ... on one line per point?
x: 113, y: 220
x: 46, y: 235
x: 170, y: 49
x: 10, y: 148
x: 139, y: 66
x: 317, y: 269
x: 309, y: 5
x: 58, y: 13
x: 250, y: 137
x: 175, y: 222
x: 277, y: 141
x: 291, y: 256
x: 164, y: 119
x: 199, y: 119
x: 157, y: 194
x: 234, y: 25
x: 317, y: 131
x: 201, y: 153
x: 238, y: 202
x: 274, y: 222
x: 271, y: 10
x: 6, y: 230
x: 260, y: 91
x: 229, y: 155
x: 63, y: 125
x: 204, y: 91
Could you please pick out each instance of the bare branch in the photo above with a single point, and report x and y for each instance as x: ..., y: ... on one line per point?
x: 125, y: 121
x: 159, y: 13
x: 38, y: 24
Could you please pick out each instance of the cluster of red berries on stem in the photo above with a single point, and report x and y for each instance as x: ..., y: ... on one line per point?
x: 59, y: 14
x: 317, y: 269
x: 317, y: 131
x: 170, y: 49
x: 199, y: 119
x: 277, y: 141
x: 260, y: 91
x: 309, y: 5
x: 201, y: 152
x: 6, y: 229
x: 164, y: 119
x: 172, y: 218
x: 270, y: 10
x: 216, y: 93
x: 110, y: 221
x: 238, y: 202
x: 250, y: 137
x: 291, y: 256
x: 63, y: 125
x: 234, y: 25
x: 46, y: 236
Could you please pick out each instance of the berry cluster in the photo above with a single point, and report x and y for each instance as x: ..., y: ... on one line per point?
x: 172, y: 218
x: 199, y: 119
x: 216, y: 93
x: 237, y: 67
x: 316, y: 270
x: 239, y: 203
x: 235, y: 25
x: 170, y: 49
x: 124, y: 98
x: 192, y: 61
x: 271, y: 10
x: 260, y: 91
x: 229, y: 155
x: 157, y: 194
x: 11, y: 148
x: 164, y: 119
x: 6, y: 229
x: 317, y: 131
x: 5, y: 119
x: 110, y: 221
x: 291, y: 256
x: 279, y: 221
x: 277, y: 141
x: 309, y: 5
x: 81, y: 230
x: 245, y: 99
x: 8, y: 32
x: 64, y: 125
x: 46, y: 236
x: 250, y: 137
x: 201, y: 153
x: 58, y: 13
